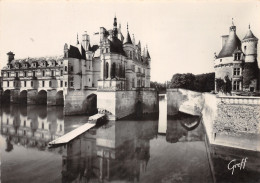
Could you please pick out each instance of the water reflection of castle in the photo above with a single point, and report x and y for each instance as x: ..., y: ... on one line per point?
x: 32, y: 126
x: 115, y: 152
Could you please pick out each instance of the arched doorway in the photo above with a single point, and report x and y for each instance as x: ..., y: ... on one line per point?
x: 42, y: 97
x: 59, y: 98
x: 23, y: 97
x: 6, y: 97
x: 91, y: 104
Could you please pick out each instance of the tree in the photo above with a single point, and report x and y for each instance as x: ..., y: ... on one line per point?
x: 185, y: 81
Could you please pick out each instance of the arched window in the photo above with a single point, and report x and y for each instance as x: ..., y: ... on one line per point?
x: 107, y: 70
x: 50, y: 83
x: 43, y: 73
x: 113, y: 71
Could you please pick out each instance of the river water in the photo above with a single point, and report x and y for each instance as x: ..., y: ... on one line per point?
x: 154, y: 149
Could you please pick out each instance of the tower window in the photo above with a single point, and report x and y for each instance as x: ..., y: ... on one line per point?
x: 61, y: 72
x: 24, y: 83
x: 71, y: 83
x: 7, y: 83
x: 244, y: 48
x: 236, y: 72
x: 66, y: 68
x: 220, y: 60
x: 237, y: 56
x: 61, y: 83
x: 43, y: 83
x: 65, y: 84
x: 25, y: 73
x: 50, y: 83
x: 31, y: 83
x: 43, y: 73
x: 71, y: 68
x: 52, y: 73
x: 236, y: 85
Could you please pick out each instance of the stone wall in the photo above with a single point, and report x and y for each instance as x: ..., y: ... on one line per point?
x: 186, y: 101
x: 236, y: 115
x: 76, y: 102
x: 120, y: 104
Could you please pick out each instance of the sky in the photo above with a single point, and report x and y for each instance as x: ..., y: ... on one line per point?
x: 181, y: 36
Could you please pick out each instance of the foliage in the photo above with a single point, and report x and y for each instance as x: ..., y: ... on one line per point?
x: 250, y: 72
x: 200, y: 83
x: 160, y: 87
x: 224, y: 85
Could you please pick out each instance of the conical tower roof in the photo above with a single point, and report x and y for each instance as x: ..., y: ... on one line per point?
x: 230, y: 46
x: 249, y: 35
x: 128, y: 37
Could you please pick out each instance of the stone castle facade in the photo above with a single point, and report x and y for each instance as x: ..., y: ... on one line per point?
x: 113, y: 74
x: 116, y: 63
x: 238, y: 60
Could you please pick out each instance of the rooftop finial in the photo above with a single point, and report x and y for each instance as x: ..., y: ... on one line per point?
x: 249, y: 26
x: 77, y: 38
x: 127, y: 26
x: 233, y: 21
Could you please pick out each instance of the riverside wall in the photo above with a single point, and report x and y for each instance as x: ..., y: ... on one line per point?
x: 229, y: 120
x: 121, y: 103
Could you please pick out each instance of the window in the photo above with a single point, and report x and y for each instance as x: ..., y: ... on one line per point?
x: 236, y: 72
x: 107, y: 69
x: 236, y: 85
x: 106, y: 50
x: 24, y: 123
x: 31, y: 83
x: 61, y: 72
x: 244, y: 48
x: 43, y: 83
x: 133, y: 82
x: 71, y: 68
x: 65, y: 84
x: 43, y: 73
x: 61, y: 62
x: 71, y: 83
x: 89, y: 79
x: 220, y: 60
x: 24, y: 83
x: 237, y: 56
x: 7, y: 83
x: 66, y: 68
x: 16, y: 74
x: 25, y: 74
x: 52, y: 73
x: 8, y: 74
x: 50, y: 83
x: 61, y: 83
x: 113, y: 71
x: 33, y: 73
x: 42, y: 125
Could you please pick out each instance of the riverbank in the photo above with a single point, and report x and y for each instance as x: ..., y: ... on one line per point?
x: 232, y: 121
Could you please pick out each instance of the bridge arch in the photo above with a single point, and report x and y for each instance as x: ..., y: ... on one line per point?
x: 23, y: 97
x: 59, y: 98
x: 6, y: 96
x: 42, y: 97
x: 90, y: 104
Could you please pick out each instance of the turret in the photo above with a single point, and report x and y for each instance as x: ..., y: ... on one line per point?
x: 85, y: 41
x: 115, y: 31
x: 10, y: 56
x: 249, y: 46
x: 66, y: 50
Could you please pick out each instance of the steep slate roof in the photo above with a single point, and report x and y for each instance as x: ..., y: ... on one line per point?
x: 74, y: 52
x: 128, y: 39
x: 116, y: 46
x: 230, y: 46
x: 249, y: 35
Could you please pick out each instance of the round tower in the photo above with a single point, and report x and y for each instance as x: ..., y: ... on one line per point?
x: 249, y: 46
x: 250, y: 69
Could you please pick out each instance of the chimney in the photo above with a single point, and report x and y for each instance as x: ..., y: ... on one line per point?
x: 10, y: 56
x: 224, y: 40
